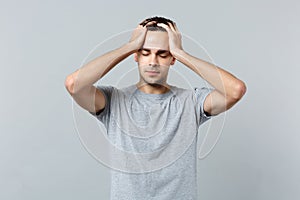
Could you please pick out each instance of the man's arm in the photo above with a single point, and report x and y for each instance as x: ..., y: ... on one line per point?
x: 80, y: 83
x: 228, y: 89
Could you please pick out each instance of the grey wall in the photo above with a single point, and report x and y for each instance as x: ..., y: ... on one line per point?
x: 41, y: 157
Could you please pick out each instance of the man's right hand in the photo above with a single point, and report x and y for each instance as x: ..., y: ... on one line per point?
x: 138, y: 37
x: 80, y: 85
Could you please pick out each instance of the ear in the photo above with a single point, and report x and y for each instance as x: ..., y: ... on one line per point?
x: 173, y: 61
x: 135, y: 57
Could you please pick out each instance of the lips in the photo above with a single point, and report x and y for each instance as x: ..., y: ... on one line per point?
x: 152, y: 72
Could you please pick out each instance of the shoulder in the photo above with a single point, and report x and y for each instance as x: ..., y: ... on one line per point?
x: 127, y: 89
x: 180, y: 91
x: 113, y: 91
x: 105, y: 88
x: 191, y: 92
x: 195, y: 96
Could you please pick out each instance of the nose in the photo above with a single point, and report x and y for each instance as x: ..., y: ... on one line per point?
x: 153, y: 60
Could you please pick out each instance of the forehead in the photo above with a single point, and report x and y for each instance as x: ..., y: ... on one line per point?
x: 156, y: 40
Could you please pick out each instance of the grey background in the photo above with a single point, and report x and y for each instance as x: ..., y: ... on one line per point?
x: 41, y: 156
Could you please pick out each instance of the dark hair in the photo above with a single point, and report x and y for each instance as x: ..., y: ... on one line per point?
x: 156, y: 20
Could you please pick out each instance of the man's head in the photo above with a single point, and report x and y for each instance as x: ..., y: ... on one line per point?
x: 154, y: 57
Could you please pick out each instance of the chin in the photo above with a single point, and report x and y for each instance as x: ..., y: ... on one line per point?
x: 155, y: 83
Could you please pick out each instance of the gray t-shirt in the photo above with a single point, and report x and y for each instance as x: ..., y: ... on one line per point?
x: 160, y: 131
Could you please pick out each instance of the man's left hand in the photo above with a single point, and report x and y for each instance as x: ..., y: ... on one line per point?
x: 175, y: 42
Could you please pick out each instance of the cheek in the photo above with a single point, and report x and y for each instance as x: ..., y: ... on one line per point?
x: 166, y: 62
x: 138, y: 57
x: 141, y: 60
x: 164, y: 70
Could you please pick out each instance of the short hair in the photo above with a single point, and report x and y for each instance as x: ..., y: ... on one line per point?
x: 156, y: 20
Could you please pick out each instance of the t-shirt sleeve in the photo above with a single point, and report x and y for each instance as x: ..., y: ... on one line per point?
x: 201, y: 94
x: 104, y: 114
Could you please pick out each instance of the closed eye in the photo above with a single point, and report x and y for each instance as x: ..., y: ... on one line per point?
x: 164, y: 54
x: 160, y: 53
x: 144, y: 52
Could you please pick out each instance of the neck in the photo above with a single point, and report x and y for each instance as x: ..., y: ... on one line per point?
x: 153, y: 88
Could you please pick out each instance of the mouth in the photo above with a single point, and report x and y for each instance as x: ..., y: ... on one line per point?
x: 153, y: 73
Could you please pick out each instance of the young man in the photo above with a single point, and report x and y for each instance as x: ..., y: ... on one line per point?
x: 151, y: 118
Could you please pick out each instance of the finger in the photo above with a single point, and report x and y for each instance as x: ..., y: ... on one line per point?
x: 172, y: 26
x: 164, y: 26
x: 150, y: 23
x: 175, y: 26
x: 147, y: 23
x: 139, y: 27
x: 144, y: 22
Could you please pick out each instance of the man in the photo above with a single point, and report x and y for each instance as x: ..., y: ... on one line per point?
x: 152, y: 116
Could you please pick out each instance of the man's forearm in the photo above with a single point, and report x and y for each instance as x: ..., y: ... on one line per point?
x: 97, y: 68
x: 220, y: 79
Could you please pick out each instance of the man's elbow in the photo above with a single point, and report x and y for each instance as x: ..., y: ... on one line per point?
x: 69, y: 84
x: 238, y: 92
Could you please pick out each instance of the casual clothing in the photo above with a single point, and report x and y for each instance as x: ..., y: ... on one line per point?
x: 167, y: 124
